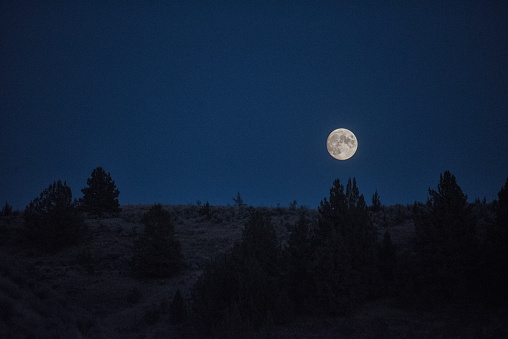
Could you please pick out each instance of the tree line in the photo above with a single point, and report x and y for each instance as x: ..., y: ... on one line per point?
x: 324, y: 269
x: 334, y: 267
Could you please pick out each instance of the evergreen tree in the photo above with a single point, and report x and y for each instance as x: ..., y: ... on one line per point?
x: 345, y: 251
x: 495, y: 261
x: 446, y: 242
x: 238, y: 200
x: 387, y: 263
x: 502, y: 208
x: 376, y: 203
x: 156, y: 252
x: 242, y: 289
x: 7, y: 210
x: 299, y: 252
x: 101, y: 195
x: 51, y: 220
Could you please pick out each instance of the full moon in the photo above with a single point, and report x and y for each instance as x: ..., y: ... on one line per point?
x: 341, y: 144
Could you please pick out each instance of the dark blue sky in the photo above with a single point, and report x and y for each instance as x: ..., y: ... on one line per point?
x: 185, y: 101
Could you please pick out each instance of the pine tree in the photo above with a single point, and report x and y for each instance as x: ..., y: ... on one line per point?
x: 299, y: 252
x: 157, y: 253
x: 387, y: 263
x: 101, y: 195
x: 446, y: 241
x: 243, y: 288
x: 238, y: 200
x: 495, y: 262
x: 7, y: 210
x: 345, y: 256
x: 51, y: 220
x: 502, y: 208
x: 376, y: 203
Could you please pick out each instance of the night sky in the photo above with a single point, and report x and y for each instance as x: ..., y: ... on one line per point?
x: 183, y: 101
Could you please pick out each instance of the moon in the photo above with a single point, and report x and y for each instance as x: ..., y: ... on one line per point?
x: 341, y: 144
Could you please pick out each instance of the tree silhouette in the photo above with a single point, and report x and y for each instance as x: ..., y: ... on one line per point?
x: 101, y: 195
x: 299, y: 257
x: 238, y: 200
x: 344, y: 261
x: 446, y: 242
x: 7, y: 209
x: 502, y: 208
x: 495, y: 253
x: 242, y: 289
x: 376, y: 203
x: 51, y: 220
x: 387, y: 263
x: 156, y: 252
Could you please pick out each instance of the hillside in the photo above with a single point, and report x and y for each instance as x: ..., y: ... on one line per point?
x: 87, y: 290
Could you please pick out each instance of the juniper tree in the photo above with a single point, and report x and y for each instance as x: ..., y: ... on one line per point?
x: 299, y: 257
x: 7, y: 210
x: 243, y: 288
x: 238, y: 200
x: 502, y: 208
x: 495, y: 253
x: 446, y: 242
x: 344, y: 260
x: 387, y: 263
x: 101, y: 195
x: 52, y: 220
x: 376, y: 203
x: 157, y: 253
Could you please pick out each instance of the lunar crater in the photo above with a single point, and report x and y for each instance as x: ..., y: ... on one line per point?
x: 341, y: 144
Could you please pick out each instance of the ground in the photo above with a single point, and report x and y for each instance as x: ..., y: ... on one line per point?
x: 87, y: 290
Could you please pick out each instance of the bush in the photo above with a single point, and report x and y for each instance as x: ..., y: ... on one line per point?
x: 178, y: 309
x: 157, y: 253
x: 134, y: 296
x: 205, y: 210
x: 101, y: 195
x: 52, y: 220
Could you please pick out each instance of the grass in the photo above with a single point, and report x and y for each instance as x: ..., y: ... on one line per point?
x: 87, y: 290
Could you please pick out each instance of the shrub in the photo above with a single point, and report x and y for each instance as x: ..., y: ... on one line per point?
x: 52, y: 220
x: 101, y: 195
x: 134, y: 296
x: 86, y: 257
x: 157, y: 253
x: 205, y: 210
x: 178, y: 309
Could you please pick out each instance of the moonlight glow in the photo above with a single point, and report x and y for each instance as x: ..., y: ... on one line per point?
x: 341, y: 144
